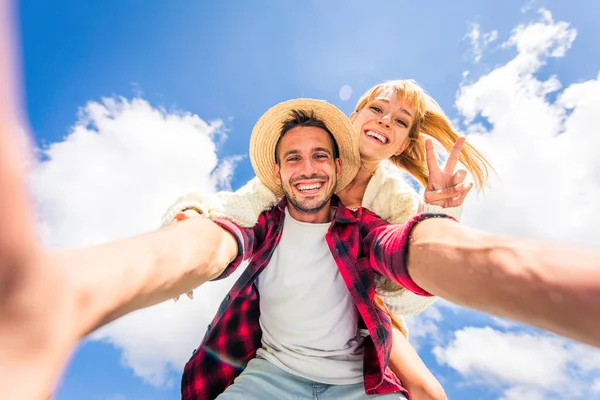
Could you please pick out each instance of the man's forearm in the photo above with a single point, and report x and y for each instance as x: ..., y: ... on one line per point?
x: 556, y: 288
x: 114, y: 279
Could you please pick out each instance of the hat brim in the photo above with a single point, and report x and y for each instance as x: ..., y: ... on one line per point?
x: 267, y: 130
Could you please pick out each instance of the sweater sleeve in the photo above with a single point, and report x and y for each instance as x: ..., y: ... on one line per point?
x: 244, y: 205
x: 454, y: 212
x: 241, y: 207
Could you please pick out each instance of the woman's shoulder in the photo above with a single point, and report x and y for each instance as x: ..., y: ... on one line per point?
x: 396, y: 199
x: 396, y: 184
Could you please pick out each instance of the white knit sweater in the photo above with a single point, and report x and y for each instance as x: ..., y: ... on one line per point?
x: 390, y: 198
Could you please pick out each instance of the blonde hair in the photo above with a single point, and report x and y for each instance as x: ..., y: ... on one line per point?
x: 430, y: 120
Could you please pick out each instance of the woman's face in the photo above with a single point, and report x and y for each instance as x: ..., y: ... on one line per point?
x: 383, y: 124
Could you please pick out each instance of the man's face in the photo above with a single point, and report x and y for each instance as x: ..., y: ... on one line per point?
x: 308, y: 172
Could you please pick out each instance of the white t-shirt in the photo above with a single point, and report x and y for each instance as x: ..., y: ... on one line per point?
x: 307, y: 315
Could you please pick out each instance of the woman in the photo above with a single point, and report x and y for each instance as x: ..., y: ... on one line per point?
x: 389, y: 118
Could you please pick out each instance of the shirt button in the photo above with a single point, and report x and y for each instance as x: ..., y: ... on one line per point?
x: 208, y: 327
x: 228, y: 297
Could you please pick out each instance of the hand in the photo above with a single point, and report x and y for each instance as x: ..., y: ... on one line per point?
x: 446, y: 188
x: 180, y: 217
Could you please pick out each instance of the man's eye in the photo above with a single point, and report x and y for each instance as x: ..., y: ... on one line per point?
x: 291, y: 159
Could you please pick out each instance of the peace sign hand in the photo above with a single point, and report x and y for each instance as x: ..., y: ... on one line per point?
x: 446, y: 188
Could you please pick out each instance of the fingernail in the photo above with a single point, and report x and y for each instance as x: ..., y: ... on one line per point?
x: 180, y: 217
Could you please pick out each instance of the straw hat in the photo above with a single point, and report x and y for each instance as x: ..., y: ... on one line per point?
x: 268, y: 128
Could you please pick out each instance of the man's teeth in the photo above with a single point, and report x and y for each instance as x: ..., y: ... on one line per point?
x: 310, y: 187
x: 376, y: 135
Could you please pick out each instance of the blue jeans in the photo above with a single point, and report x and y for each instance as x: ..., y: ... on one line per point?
x: 261, y: 380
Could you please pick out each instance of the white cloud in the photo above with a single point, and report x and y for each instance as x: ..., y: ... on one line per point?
x: 160, y: 339
x: 114, y: 175
x: 543, y: 150
x: 522, y: 363
x: 424, y: 327
x: 513, y: 358
x: 479, y: 41
x: 520, y: 393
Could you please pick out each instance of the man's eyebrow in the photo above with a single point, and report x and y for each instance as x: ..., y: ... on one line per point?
x: 325, y: 149
x: 287, y: 153
x: 404, y: 110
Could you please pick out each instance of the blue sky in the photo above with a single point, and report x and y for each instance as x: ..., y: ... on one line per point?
x: 230, y: 61
x: 235, y: 59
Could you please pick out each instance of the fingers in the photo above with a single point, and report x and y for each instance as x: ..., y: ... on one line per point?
x: 434, y: 196
x: 432, y: 164
x: 190, y: 295
x: 459, y: 176
x: 447, y: 194
x: 460, y: 199
x: 453, y: 157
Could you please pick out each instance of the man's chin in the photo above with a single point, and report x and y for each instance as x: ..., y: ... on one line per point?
x: 309, y: 207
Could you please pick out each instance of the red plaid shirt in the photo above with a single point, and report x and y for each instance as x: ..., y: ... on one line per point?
x: 361, y: 243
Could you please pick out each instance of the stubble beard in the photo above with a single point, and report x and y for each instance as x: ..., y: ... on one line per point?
x: 302, y: 206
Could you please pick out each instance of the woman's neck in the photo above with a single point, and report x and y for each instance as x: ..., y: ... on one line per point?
x: 352, y: 195
x: 366, y: 171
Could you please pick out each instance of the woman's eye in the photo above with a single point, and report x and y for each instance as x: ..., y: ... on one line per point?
x: 401, y: 122
x: 376, y: 109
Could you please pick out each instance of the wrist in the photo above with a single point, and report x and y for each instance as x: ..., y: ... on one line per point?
x: 454, y: 212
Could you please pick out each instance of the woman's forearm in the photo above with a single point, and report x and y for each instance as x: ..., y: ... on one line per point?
x: 412, y: 372
x: 114, y: 279
x: 552, y: 287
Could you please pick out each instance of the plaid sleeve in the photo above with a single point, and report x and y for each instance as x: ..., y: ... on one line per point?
x: 245, y: 241
x: 387, y: 246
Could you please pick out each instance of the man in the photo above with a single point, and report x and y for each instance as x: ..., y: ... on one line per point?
x: 302, y: 314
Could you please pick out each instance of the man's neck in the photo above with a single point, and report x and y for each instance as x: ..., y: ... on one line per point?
x: 322, y: 216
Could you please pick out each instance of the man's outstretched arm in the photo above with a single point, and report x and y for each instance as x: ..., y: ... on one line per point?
x: 116, y: 278
x: 552, y: 287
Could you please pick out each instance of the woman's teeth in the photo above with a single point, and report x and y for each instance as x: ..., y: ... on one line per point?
x: 377, y: 136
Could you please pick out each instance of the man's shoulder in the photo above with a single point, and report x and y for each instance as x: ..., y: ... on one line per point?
x: 370, y: 219
x: 269, y: 217
x: 271, y: 212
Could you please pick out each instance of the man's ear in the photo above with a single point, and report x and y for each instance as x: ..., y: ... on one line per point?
x: 338, y: 168
x: 403, y: 147
x: 276, y: 173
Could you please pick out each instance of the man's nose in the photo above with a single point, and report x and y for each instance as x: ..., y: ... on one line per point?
x: 309, y: 166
